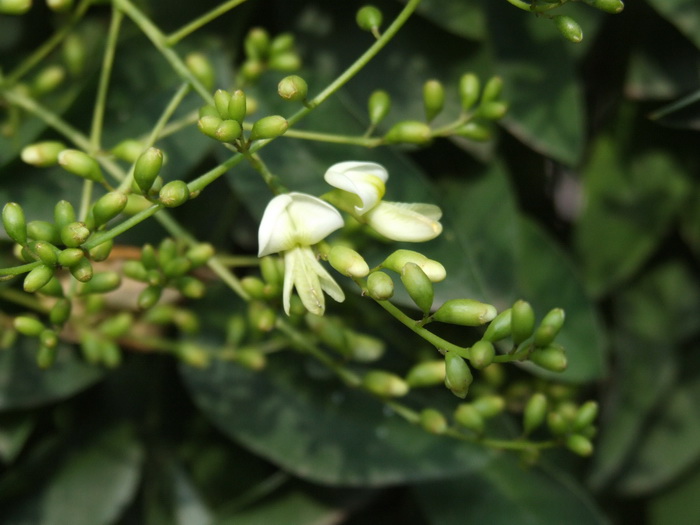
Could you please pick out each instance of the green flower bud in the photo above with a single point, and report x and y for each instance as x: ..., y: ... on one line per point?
x: 293, y: 88
x: 148, y: 297
x: 535, y: 412
x: 585, y: 416
x: 384, y: 384
x: 251, y: 358
x: 48, y: 79
x: 550, y: 358
x: 46, y: 357
x: 500, y: 327
x: 433, y: 421
x: 397, y: 260
x: 569, y: 28
x: 221, y: 101
x: 135, y: 204
x: 257, y: 43
x: 369, y: 18
x: 208, y: 111
x: 28, y: 326
x: 558, y: 425
x: 609, y: 6
x: 410, y: 132
x: 380, y: 286
x: 465, y: 312
x: 522, y: 322
x: 579, y: 444
x: 251, y: 70
x: 101, y: 251
x: 135, y: 270
x: 489, y: 406
x: 117, y: 325
x: 48, y: 338
x: 63, y: 214
x: 330, y: 330
x: 14, y: 222
x: 82, y: 270
x: 469, y: 88
x: 228, y: 131
x: 53, y: 288
x: 427, y: 373
x: 208, y: 125
x: 43, y: 231
x: 37, y: 278
x: 149, y: 258
x: 15, y: 7
x: 128, y: 150
x: 473, y: 131
x: 433, y: 99
x: 269, y: 127
x: 74, y: 53
x: 282, y: 43
x: 102, y: 282
x: 60, y: 311
x: 481, y: 354
x: 110, y: 354
x: 378, y: 106
x: 458, y: 377
x: 177, y: 266
x: 253, y: 287
x: 418, y: 286
x: 74, y: 234
x: 469, y: 417
x: 549, y: 327
x: 364, y: 348
x: 191, y: 287
x: 286, y: 62
x: 262, y: 317
x: 42, y: 154
x: 80, y: 164
x: 70, y: 257
x: 60, y: 6
x: 492, y: 90
x: 492, y: 110
x: 348, y: 262
x: 91, y: 348
x: 201, y: 68
x: 147, y: 168
x: 174, y: 193
x: 47, y: 252
x: 108, y: 206
x: 237, y: 106
x: 199, y: 254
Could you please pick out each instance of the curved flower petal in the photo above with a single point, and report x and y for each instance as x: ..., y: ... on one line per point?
x: 363, y: 179
x: 303, y: 272
x: 400, y: 221
x: 294, y: 219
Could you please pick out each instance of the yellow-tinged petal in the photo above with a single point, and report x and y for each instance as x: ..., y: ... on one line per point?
x: 303, y: 272
x: 411, y: 222
x: 363, y: 179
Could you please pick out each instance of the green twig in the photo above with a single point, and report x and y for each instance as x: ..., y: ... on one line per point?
x: 176, y: 36
x: 354, y: 140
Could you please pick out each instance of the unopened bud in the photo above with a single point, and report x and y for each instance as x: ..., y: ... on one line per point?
x: 469, y: 417
x: 208, y: 125
x: 63, y: 214
x: 380, y: 286
x: 293, y: 88
x: 492, y: 110
x: 427, y: 373
x: 60, y: 6
x: 48, y: 79
x: 569, y: 28
x: 481, y: 354
x: 43, y: 154
x: 47, y: 252
x: 28, y: 326
x: 128, y: 150
x: 201, y: 68
x: 74, y: 234
x: 364, y: 348
x: 458, y: 377
x: 221, y: 101
x: 469, y: 89
x: 237, y: 106
x: 489, y: 406
x: 37, y: 278
x: 174, y: 193
x: 492, y: 90
x: 433, y: 99
x: 473, y: 131
x: 384, y: 384
x: 398, y: 259
x: 74, y: 53
x: 108, y: 206
x: 579, y: 444
x: 585, y: 416
x: 147, y: 168
x: 500, y: 327
x: 369, y: 18
x: 82, y: 270
x: 148, y: 297
x: 15, y: 7
x: 549, y: 327
x: 257, y: 43
x: 522, y: 321
x: 43, y: 231
x: 378, y: 105
x: 70, y: 257
x: 535, y: 412
x: 60, y: 311
x: 348, y: 262
x: 410, y: 132
x: 609, y: 6
x: 465, y: 312
x: 418, y: 286
x: 200, y: 254
x: 191, y: 287
x: 251, y: 358
x: 282, y: 43
x: 433, y: 421
x: 102, y: 282
x: 269, y: 127
x: 550, y: 358
x: 228, y: 131
x: 14, y: 222
x: 81, y: 164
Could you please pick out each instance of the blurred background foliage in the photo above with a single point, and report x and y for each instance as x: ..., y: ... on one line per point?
x: 588, y: 199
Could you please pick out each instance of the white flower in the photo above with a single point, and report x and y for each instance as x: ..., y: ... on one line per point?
x: 399, y: 221
x: 292, y: 222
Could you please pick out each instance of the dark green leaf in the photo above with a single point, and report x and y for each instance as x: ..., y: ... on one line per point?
x: 291, y: 508
x: 465, y: 18
x: 678, y: 505
x: 15, y: 429
x: 684, y: 14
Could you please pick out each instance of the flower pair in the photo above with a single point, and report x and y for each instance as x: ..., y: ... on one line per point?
x: 293, y: 222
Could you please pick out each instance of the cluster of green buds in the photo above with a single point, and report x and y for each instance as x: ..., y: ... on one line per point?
x: 20, y: 7
x: 168, y: 266
x: 264, y: 52
x: 479, y: 108
x: 224, y: 121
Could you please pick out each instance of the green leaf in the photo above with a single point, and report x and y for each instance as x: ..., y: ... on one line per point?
x: 505, y: 493
x: 291, y: 508
x: 684, y: 14
x: 465, y: 18
x: 677, y: 505
x: 15, y: 429
x: 24, y: 385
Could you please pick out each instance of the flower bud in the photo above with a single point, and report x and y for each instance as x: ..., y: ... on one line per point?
x: 550, y: 358
x: 128, y: 150
x: 149, y: 258
x: 208, y: 111
x: 74, y: 53
x: 174, y: 193
x: 14, y: 222
x: 60, y: 6
x: 222, y: 98
x: 287, y: 62
x: 348, y: 262
x: 208, y: 125
x: 427, y: 373
x: 148, y: 297
x: 43, y: 154
x: 378, y: 106
x: 481, y: 354
x: 549, y: 327
x: 293, y: 88
x: 48, y: 79
x: 465, y: 312
x: 330, y: 330
x: 191, y: 287
x: 585, y: 416
x: 60, y: 311
x: 433, y: 99
x: 492, y: 110
x: 135, y: 270
x: 28, y: 326
x: 199, y: 254
x: 272, y: 270
x: 384, y: 384
x: 228, y: 131
x: 43, y: 231
x: 489, y: 406
x: 37, y: 278
x: 82, y: 270
x: 53, y: 288
x: 458, y: 377
x: 251, y: 358
x: 48, y: 338
x: 409, y: 131
x: 237, y: 106
x: 364, y: 348
x: 500, y: 327
x: 177, y: 267
x: 74, y: 234
x: 70, y: 257
x: 251, y: 70
x: 473, y: 131
x: 609, y: 6
x: 108, y: 206
x: 257, y: 43
x: 492, y: 90
x: 418, y: 286
x: 380, y: 286
x: 269, y: 127
x: 47, y: 252
x: 469, y: 417
x: 147, y: 168
x: 81, y: 164
x: 522, y: 322
x: 117, y: 325
x: 262, y: 317
x: 282, y: 43
x: 397, y: 260
x: 469, y: 87
x: 369, y: 18
x: 63, y: 214
x: 569, y: 28
x: 201, y: 68
x: 433, y: 421
x: 101, y: 251
x: 15, y: 7
x: 535, y: 412
x: 102, y: 282
x: 579, y: 444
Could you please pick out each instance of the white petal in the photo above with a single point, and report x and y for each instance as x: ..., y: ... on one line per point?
x: 303, y: 272
x: 363, y: 179
x: 289, y: 267
x: 401, y: 222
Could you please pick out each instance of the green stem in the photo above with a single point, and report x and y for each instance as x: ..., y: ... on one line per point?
x: 271, y: 180
x: 533, y: 8
x: 85, y: 200
x: 29, y: 301
x: 49, y: 45
x: 122, y: 227
x: 333, y: 138
x: 175, y: 37
x: 19, y: 270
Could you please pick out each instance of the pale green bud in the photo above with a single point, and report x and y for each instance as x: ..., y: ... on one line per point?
x: 348, y: 262
x: 28, y: 326
x: 237, y: 106
x: 500, y: 327
x: 70, y: 257
x: 74, y: 234
x: 364, y: 348
x: 569, y: 28
x: 60, y: 6
x: 251, y: 358
x: 469, y: 417
x: 102, y: 282
x: 63, y: 213
x: 201, y: 68
x: 535, y: 412
x: 433, y: 421
x: 14, y: 222
x: 609, y: 6
x: 174, y: 193
x: 15, y: 7
x: 147, y: 168
x: 549, y: 327
x: 128, y: 150
x: 282, y: 43
x: 286, y: 62
x: 492, y: 110
x: 585, y: 416
x: 269, y: 127
x: 427, y: 373
x: 74, y: 53
x: 378, y: 105
x: 410, y: 132
x: 397, y: 260
x: 418, y: 286
x: 380, y: 286
x: 465, y: 312
x: 473, y: 131
x: 458, y: 377
x: 43, y: 231
x: 81, y: 164
x: 43, y: 154
x: 108, y: 206
x: 369, y: 18
x: 550, y: 358
x: 48, y: 79
x: 228, y: 131
x: 37, y: 278
x: 208, y: 125
x: 257, y: 43
x: 489, y: 406
x: 82, y: 270
x: 384, y: 384
x: 200, y: 254
x: 469, y: 88
x: 433, y: 98
x: 222, y: 98
x: 522, y: 322
x: 579, y: 444
x: 293, y: 88
x: 481, y: 354
x: 492, y: 90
